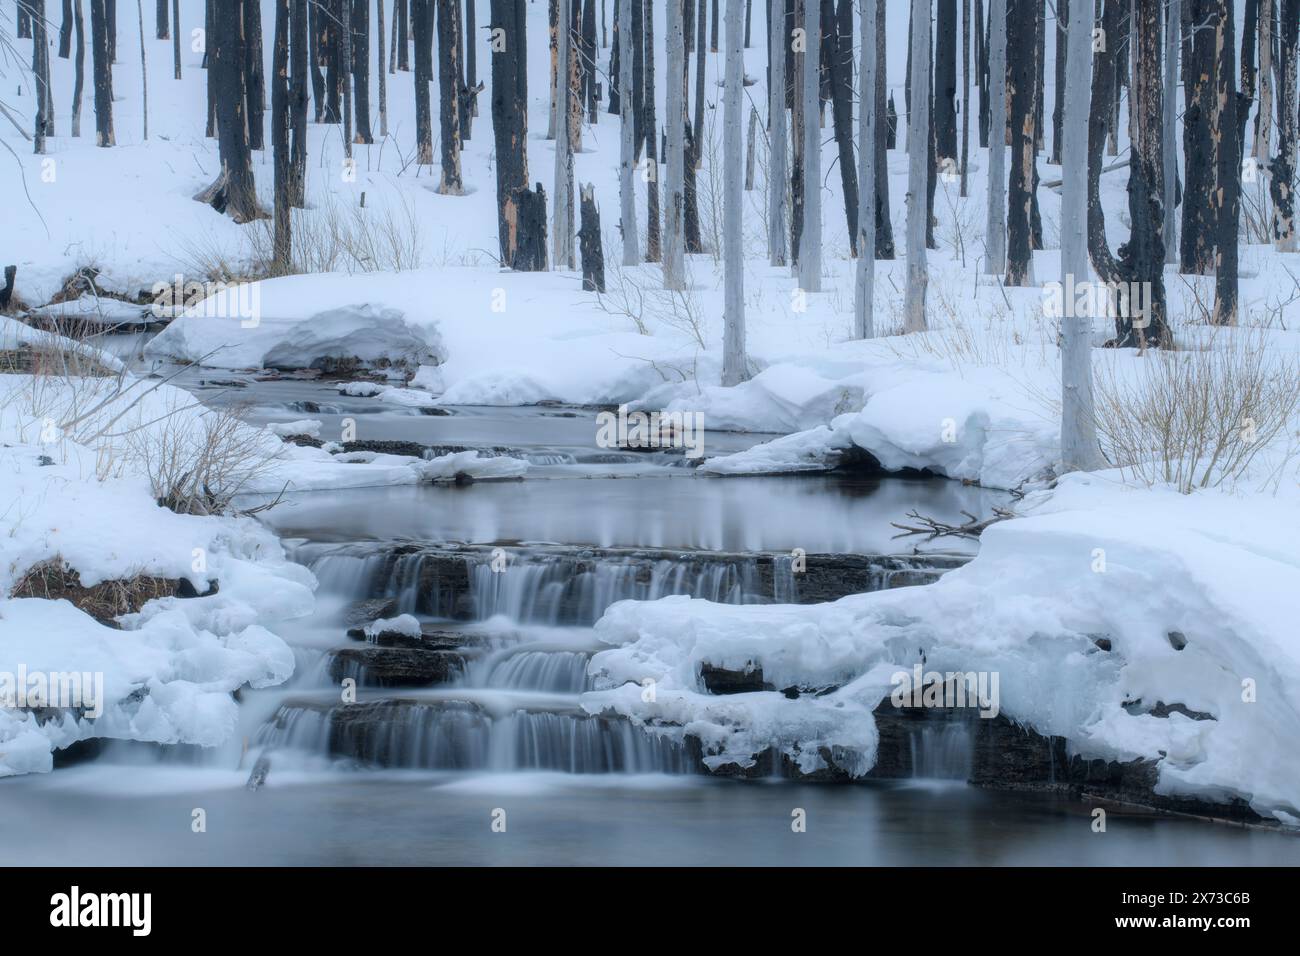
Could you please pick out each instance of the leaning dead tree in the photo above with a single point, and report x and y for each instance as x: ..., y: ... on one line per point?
x: 233, y: 191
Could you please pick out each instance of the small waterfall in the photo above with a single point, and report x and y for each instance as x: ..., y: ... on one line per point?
x: 458, y: 735
x: 554, y: 672
x: 784, y: 588
x: 550, y: 458
x: 943, y: 750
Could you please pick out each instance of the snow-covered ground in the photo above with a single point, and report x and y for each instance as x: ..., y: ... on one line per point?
x: 976, y: 398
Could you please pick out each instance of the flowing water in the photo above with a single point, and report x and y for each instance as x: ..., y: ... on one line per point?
x: 478, y: 719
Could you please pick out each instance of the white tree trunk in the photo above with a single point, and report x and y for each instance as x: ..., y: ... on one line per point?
x: 1079, y: 449
x: 562, y: 221
x: 627, y: 158
x: 733, y: 336
x: 918, y: 159
x: 864, y: 286
x: 810, y: 237
x: 674, y: 120
x: 778, y: 164
x: 1173, y: 35
x: 996, y: 232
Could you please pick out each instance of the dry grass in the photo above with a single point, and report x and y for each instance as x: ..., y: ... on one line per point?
x: 55, y: 580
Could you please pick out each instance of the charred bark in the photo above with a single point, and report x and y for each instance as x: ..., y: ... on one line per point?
x: 589, y: 243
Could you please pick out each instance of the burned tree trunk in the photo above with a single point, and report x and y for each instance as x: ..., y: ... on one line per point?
x: 422, y: 29
x: 691, y: 193
x: 383, y: 80
x: 627, y: 156
x: 1264, y: 116
x: 233, y: 191
x: 510, y: 122
x: 593, y: 254
x: 810, y: 239
x: 749, y: 149
x: 778, y: 151
x: 590, y: 80
x: 1058, y: 105
x: 298, y: 55
x: 918, y: 138
x: 616, y: 65
x: 868, y: 116
x: 675, y: 122
x: 1282, y: 180
x: 160, y: 20
x: 471, y: 63
x: 331, y: 60
x: 449, y: 97
x: 176, y: 39
x: 1137, y: 275
x: 531, y: 248
x: 653, y: 251
x: 637, y: 45
x: 886, y: 131
x: 841, y: 73
x: 1198, y: 236
x: 697, y: 127
x: 280, y: 130
x: 945, y: 79
x: 65, y: 31
x: 996, y: 228
x: 360, y: 67
x: 101, y: 57
x: 562, y: 207
x: 79, y: 80
x: 43, y: 123
x: 255, y: 82
x: 401, y: 21
x: 1227, y: 192
x: 315, y: 58
x: 1021, y: 28
x: 345, y: 66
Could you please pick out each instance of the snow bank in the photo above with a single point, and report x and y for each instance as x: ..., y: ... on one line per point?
x: 1092, y: 559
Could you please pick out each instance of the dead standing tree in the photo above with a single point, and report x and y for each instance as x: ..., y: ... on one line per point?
x: 233, y: 191
x: 101, y: 56
x: 521, y: 215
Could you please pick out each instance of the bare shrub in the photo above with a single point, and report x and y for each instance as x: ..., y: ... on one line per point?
x: 198, y: 464
x: 1197, y: 419
x: 635, y: 294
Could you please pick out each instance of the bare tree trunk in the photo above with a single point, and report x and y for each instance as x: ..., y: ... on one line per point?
x: 144, y: 69
x: 1282, y: 180
x: 255, y: 81
x: 810, y: 240
x: 471, y: 59
x: 383, y: 82
x: 316, y: 58
x: 422, y: 29
x: 575, y: 86
x: 965, y: 92
x: 778, y: 169
x: 1173, y: 19
x: 840, y: 67
x: 282, y: 242
x: 176, y: 39
x: 653, y: 251
x: 945, y: 79
x: 1227, y: 193
x: 346, y: 71
x: 79, y: 80
x: 886, y: 127
x: 918, y: 135
x: 1020, y: 259
x: 233, y: 191
x: 637, y: 44
x: 299, y: 50
x: 697, y: 127
x: 864, y: 284
x: 734, y: 363
x: 103, y: 73
x: 996, y: 230
x: 1263, y: 125
x: 403, y: 40
x: 1197, y: 239
x: 449, y: 90
x: 360, y: 67
x: 589, y: 241
x: 510, y: 123
x: 749, y: 149
x: 627, y: 157
x: 1079, y: 448
x: 332, y: 59
x: 562, y: 226
x: 1058, y: 105
x: 160, y: 20
x: 675, y: 122
x: 1250, y: 32
x: 65, y: 31
x: 44, y: 121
